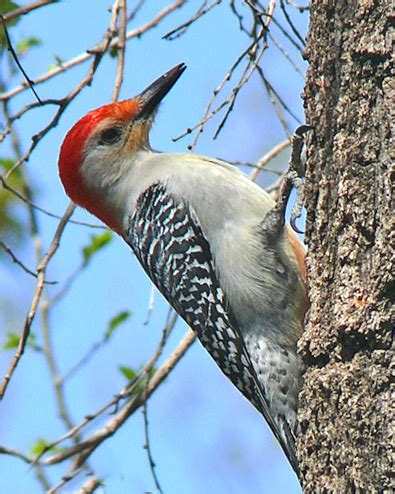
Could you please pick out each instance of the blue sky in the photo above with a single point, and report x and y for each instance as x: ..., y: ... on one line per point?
x: 205, y: 436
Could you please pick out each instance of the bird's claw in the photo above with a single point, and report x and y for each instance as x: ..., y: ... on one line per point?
x: 298, y: 185
x: 296, y: 171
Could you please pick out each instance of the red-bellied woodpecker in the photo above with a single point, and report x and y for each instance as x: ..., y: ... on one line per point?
x: 199, y: 228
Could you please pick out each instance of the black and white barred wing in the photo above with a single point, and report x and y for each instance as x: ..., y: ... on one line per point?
x: 170, y: 245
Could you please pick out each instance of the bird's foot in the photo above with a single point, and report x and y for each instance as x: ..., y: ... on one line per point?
x: 275, y: 218
x: 296, y: 172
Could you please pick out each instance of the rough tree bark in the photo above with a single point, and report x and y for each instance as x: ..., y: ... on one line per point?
x: 345, y: 410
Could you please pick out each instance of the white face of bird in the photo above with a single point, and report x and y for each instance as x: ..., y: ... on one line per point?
x: 101, y: 148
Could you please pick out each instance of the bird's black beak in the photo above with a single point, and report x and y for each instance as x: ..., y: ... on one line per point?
x: 155, y: 92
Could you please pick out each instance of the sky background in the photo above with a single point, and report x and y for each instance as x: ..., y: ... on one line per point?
x: 205, y: 437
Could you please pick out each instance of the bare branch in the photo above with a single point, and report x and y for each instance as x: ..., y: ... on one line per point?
x: 278, y: 103
x: 254, y: 55
x: 150, y: 305
x: 248, y: 71
x: 40, y: 475
x: 291, y: 24
x: 41, y: 270
x: 286, y: 55
x: 296, y: 6
x: 147, y: 447
x: 239, y: 17
x: 20, y: 263
x: 29, y: 82
x: 208, y: 113
x: 90, y: 486
x: 65, y: 480
x: 181, y: 29
x: 26, y: 9
x: 93, y: 52
x: 121, y: 50
x: 44, y: 211
x: 88, y: 445
x: 268, y: 157
x: 17, y: 454
x: 136, y: 9
x: 125, y: 392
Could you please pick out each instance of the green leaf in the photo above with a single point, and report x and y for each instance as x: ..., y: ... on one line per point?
x: 141, y: 386
x: 113, y: 52
x: 41, y: 445
x: 59, y: 63
x: 7, y: 164
x: 128, y: 372
x: 115, y: 322
x: 97, y: 242
x: 12, y: 341
x: 10, y: 225
x: 5, y: 7
x: 23, y: 46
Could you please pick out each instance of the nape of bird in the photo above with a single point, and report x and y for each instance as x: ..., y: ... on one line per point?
x: 197, y: 227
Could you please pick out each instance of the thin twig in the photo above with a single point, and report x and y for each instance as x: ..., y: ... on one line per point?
x: 135, y: 10
x: 66, y: 286
x: 282, y: 29
x: 125, y: 392
x: 182, y: 28
x: 90, y: 486
x: 17, y: 454
x: 88, y: 445
x: 58, y: 384
x: 29, y: 82
x: 247, y: 73
x: 40, y: 475
x: 84, y: 359
x: 65, y: 480
x: 290, y: 23
x: 121, y: 50
x: 268, y: 157
x: 41, y: 270
x: 239, y: 17
x: 16, y: 145
x: 147, y: 446
x: 254, y: 55
x: 135, y: 33
x: 295, y: 66
x: 278, y: 103
x: 20, y: 263
x: 26, y: 9
x: 45, y: 211
x: 150, y: 305
x: 296, y: 6
x: 208, y: 113
x: 16, y: 116
x: 98, y: 55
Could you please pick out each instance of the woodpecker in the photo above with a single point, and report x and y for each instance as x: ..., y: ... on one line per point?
x: 199, y: 229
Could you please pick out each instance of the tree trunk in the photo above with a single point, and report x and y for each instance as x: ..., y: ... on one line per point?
x: 345, y: 415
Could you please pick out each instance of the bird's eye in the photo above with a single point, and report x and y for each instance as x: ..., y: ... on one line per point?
x: 110, y: 135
